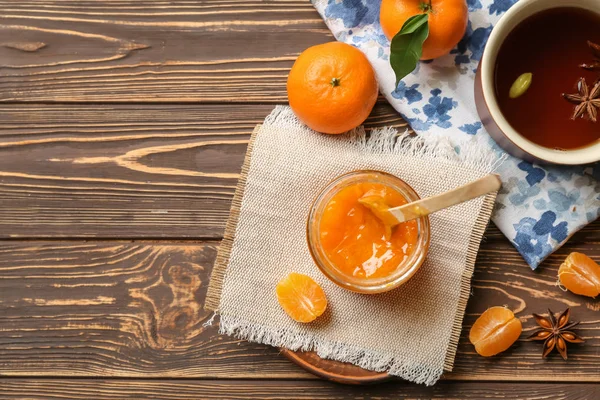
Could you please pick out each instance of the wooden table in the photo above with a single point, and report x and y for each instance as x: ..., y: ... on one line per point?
x: 123, y: 126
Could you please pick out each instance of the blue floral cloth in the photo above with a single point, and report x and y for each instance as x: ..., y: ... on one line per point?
x: 539, y: 207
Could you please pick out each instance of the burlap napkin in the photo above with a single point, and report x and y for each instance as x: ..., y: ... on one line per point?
x: 411, y: 332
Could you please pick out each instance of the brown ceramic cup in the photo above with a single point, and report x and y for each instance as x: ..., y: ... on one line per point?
x: 485, y: 96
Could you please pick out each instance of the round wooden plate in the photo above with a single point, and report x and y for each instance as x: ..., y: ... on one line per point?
x: 334, y: 370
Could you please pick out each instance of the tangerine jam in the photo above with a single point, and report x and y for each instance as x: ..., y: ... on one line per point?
x: 355, y: 240
x: 352, y: 246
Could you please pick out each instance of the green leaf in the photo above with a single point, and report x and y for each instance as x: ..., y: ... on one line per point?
x: 407, y: 45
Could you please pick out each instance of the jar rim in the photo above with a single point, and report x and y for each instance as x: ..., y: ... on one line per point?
x: 405, y: 270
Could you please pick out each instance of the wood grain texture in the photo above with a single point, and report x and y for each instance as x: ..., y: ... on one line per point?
x: 98, y: 389
x: 145, y: 51
x: 117, y: 309
x: 131, y: 171
x: 149, y: 171
x: 135, y: 310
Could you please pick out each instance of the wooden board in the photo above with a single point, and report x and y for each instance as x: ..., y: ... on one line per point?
x: 130, y: 171
x: 135, y: 310
x: 134, y: 171
x: 131, y: 122
x: 147, y: 51
x: 99, y: 389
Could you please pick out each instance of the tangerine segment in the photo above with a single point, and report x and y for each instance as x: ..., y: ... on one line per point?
x: 580, y: 274
x: 495, y: 331
x: 301, y: 297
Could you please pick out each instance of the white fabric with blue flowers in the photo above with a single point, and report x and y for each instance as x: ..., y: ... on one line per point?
x: 539, y: 207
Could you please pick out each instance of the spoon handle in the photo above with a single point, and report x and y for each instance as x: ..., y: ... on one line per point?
x: 420, y: 208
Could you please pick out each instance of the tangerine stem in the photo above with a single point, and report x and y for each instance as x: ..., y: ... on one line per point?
x: 426, y: 7
x: 335, y: 82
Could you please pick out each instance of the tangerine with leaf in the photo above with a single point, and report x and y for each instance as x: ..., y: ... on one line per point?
x: 421, y: 29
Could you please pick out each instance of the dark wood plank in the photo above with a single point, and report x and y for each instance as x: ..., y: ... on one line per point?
x: 135, y: 310
x: 131, y: 171
x: 313, y: 390
x: 502, y: 278
x: 126, y: 171
x: 117, y: 309
x: 145, y: 51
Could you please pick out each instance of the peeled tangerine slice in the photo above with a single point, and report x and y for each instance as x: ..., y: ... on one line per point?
x: 495, y: 331
x: 301, y: 297
x: 580, y: 274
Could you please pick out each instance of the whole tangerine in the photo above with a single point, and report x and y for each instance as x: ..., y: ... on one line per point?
x: 332, y: 87
x: 447, y: 22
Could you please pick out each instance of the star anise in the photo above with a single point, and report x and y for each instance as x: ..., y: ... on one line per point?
x: 555, y: 331
x: 587, y: 100
x: 595, y: 64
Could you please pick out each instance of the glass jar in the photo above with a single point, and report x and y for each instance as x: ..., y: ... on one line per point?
x: 406, y: 268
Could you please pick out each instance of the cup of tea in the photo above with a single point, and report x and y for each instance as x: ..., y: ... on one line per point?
x: 538, y: 53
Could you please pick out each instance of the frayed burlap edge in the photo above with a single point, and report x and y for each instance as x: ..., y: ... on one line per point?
x: 465, y: 283
x: 215, y: 286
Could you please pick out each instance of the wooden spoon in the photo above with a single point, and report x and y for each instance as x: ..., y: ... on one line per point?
x: 396, y: 215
